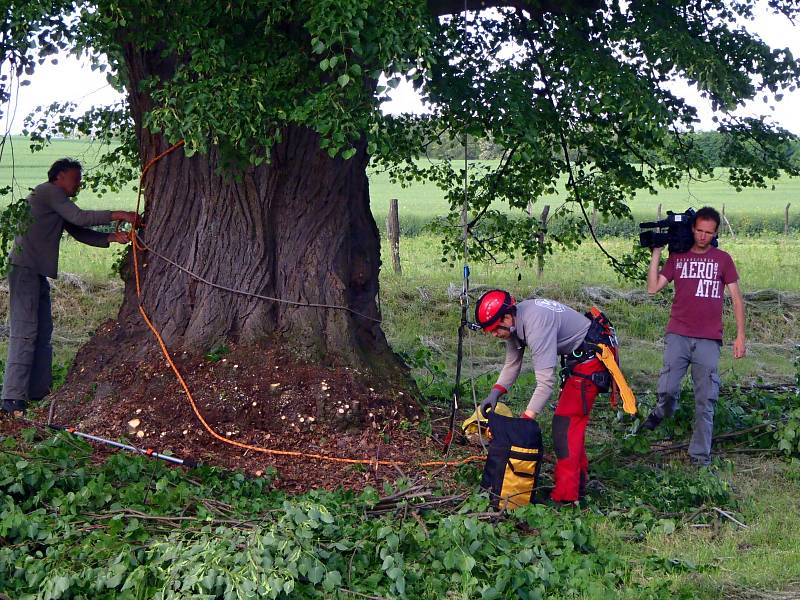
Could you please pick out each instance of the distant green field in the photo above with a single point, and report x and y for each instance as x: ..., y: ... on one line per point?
x: 422, y: 202
x: 426, y: 200
x: 30, y: 169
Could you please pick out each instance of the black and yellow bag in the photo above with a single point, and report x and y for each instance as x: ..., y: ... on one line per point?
x: 511, y: 472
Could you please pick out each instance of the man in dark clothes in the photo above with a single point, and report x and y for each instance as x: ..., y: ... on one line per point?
x: 34, y: 259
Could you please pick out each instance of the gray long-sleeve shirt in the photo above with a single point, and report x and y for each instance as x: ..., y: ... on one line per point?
x: 549, y: 329
x: 51, y: 213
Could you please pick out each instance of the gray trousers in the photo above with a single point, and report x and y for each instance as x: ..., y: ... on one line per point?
x: 30, y: 354
x: 703, y: 356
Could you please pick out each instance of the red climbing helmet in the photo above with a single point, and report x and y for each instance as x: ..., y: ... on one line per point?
x: 491, y: 307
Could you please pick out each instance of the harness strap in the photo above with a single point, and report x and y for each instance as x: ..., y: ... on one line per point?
x: 600, y: 343
x: 608, y: 358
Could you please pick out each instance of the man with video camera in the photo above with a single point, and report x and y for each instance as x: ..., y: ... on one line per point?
x: 694, y: 332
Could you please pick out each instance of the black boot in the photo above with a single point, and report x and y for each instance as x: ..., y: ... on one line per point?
x: 14, y: 407
x: 651, y: 422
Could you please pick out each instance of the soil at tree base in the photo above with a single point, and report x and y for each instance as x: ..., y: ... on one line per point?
x: 257, y: 395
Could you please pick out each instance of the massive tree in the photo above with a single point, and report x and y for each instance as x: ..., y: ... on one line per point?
x: 278, y: 104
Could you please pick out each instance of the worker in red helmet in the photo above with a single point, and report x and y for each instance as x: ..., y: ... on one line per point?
x: 550, y: 329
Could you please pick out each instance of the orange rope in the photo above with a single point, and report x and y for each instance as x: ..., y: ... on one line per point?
x: 294, y: 453
x: 146, y: 168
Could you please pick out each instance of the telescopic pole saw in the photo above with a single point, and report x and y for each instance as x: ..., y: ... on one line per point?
x: 186, y: 462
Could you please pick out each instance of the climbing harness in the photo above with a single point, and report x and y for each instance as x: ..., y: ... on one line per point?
x: 601, y: 343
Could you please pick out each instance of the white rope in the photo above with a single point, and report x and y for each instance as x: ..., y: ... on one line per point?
x: 250, y: 294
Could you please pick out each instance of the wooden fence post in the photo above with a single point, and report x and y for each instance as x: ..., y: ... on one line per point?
x: 393, y: 234
x: 658, y: 214
x: 726, y: 222
x: 540, y: 257
x: 786, y: 219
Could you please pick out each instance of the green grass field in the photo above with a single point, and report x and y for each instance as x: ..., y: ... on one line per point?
x: 423, y: 202
x: 27, y: 170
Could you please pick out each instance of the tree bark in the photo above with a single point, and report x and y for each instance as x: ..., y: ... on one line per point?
x: 298, y: 228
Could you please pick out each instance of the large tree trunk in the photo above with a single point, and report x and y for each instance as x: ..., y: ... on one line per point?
x: 298, y: 228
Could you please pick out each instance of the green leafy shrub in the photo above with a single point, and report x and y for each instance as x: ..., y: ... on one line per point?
x: 132, y: 528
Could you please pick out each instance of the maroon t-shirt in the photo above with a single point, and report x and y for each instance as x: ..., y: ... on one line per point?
x: 700, y: 281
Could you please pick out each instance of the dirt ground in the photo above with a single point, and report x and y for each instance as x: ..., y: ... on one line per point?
x: 258, y: 396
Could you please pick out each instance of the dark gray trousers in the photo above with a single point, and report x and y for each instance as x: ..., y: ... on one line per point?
x: 30, y: 352
x: 703, y: 356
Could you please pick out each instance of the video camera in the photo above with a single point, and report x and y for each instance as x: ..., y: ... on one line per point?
x: 675, y: 232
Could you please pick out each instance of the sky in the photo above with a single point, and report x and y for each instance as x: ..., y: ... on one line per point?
x: 73, y: 80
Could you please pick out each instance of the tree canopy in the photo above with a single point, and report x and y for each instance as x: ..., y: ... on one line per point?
x: 577, y: 91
